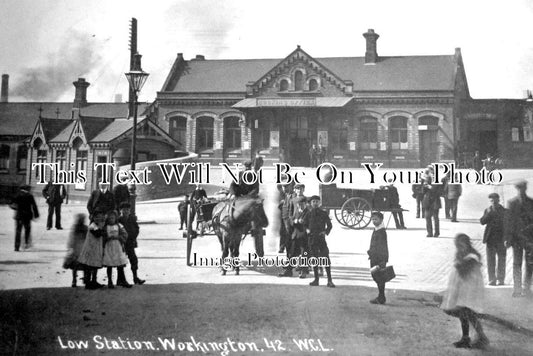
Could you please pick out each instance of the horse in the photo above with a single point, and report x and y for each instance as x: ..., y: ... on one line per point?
x: 234, y: 218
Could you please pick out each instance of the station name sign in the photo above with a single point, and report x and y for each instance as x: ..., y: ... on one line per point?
x: 286, y: 102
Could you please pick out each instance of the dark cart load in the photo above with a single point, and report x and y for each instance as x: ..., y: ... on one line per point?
x: 352, y: 207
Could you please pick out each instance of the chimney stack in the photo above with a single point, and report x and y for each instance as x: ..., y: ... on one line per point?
x: 199, y: 57
x: 5, y: 89
x: 371, y: 55
x: 80, y: 97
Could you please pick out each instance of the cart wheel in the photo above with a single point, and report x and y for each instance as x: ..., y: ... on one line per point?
x: 339, y: 217
x: 356, y: 213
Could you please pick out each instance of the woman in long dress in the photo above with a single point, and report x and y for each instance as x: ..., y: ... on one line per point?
x: 93, y: 249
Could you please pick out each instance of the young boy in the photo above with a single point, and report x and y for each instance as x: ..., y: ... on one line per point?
x: 129, y: 222
x: 378, y: 254
x: 317, y: 225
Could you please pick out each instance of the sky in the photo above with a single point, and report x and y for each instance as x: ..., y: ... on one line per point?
x: 46, y: 45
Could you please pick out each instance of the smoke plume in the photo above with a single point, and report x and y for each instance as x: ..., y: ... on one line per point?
x: 75, y: 58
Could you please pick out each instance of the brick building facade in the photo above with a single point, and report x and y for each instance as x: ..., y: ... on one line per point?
x: 401, y: 111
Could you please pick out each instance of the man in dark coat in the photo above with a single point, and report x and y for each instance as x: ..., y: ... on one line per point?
x: 54, y: 195
x: 102, y: 199
x: 242, y: 188
x: 26, y: 210
x: 453, y: 192
x: 313, y: 156
x: 290, y: 204
x: 394, y: 200
x: 121, y: 194
x: 431, y: 204
x: 519, y: 215
x: 318, y: 225
x: 418, y: 194
x: 182, y: 208
x: 477, y: 163
x: 129, y: 221
x: 494, y: 217
x: 378, y: 253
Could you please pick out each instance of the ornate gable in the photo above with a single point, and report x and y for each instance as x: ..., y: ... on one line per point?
x: 299, y: 74
x: 77, y: 131
x: 38, y: 134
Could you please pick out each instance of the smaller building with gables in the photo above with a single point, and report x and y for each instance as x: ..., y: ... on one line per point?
x: 77, y: 135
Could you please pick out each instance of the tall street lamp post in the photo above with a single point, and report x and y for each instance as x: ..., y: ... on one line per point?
x: 136, y: 78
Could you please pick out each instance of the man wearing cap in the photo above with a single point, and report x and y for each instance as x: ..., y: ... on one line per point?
x: 26, y: 210
x: 129, y: 221
x: 519, y: 216
x: 299, y: 235
x: 493, y: 218
x: 292, y: 206
x: 318, y: 224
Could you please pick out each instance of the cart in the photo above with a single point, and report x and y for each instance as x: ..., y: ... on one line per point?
x: 353, y: 207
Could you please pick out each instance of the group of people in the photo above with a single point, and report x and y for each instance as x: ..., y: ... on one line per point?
x: 317, y: 155
x: 109, y: 240
x: 303, y: 230
x: 428, y: 203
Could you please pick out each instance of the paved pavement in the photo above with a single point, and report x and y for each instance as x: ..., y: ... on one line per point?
x: 421, y: 263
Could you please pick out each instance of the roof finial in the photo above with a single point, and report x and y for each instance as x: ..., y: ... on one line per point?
x: 41, y: 111
x: 57, y: 112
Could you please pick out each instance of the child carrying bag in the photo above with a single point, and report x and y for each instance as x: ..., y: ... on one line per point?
x: 382, y: 275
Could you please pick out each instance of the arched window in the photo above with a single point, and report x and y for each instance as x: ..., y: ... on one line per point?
x: 313, y: 85
x: 232, y: 133
x: 177, y: 129
x: 398, y: 132
x: 368, y: 133
x: 204, y: 133
x: 298, y: 81
x: 283, y: 85
x: 4, y: 158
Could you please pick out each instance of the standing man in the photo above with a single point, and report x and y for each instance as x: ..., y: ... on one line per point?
x: 313, y: 156
x: 285, y: 226
x: 418, y: 194
x: 54, y: 195
x: 182, y: 208
x: 129, y: 221
x: 453, y: 192
x: 477, y: 163
x: 26, y: 210
x: 494, y: 217
x: 394, y: 200
x: 102, y: 199
x: 431, y: 204
x: 318, y: 225
x: 321, y: 152
x: 519, y: 216
x: 258, y: 161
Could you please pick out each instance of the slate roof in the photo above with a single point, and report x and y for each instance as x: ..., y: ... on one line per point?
x: 52, y: 127
x: 18, y: 118
x: 115, y: 129
x: 64, y: 135
x: 403, y: 73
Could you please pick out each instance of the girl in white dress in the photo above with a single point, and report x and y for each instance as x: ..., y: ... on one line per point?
x: 464, y: 296
x: 92, y: 250
x: 114, y: 255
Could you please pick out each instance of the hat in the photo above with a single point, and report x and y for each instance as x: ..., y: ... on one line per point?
x: 494, y: 196
x: 248, y: 164
x: 299, y: 185
x: 125, y: 205
x: 521, y: 183
x: 301, y: 199
x: 378, y: 214
x: 314, y: 197
x: 112, y: 212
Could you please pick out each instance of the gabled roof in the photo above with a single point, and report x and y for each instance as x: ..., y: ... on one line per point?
x: 115, y: 129
x: 402, y: 73
x: 92, y: 126
x: 65, y: 134
x: 52, y: 127
x: 20, y: 118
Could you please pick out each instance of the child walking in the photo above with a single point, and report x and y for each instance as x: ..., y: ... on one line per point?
x: 75, y: 245
x: 93, y: 249
x: 465, y: 292
x: 114, y: 255
x: 378, y: 253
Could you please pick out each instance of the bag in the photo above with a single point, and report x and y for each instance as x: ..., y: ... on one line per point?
x: 382, y: 275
